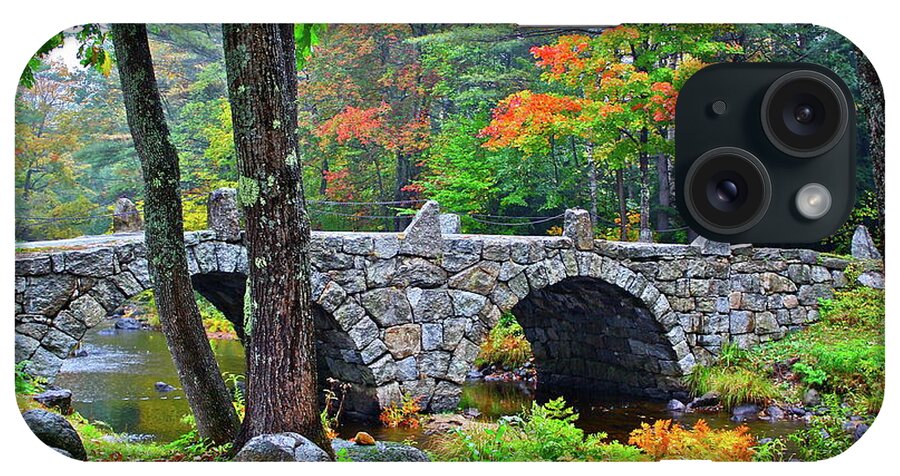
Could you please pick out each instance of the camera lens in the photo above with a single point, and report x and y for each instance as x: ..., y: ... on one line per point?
x: 804, y: 113
x: 727, y: 190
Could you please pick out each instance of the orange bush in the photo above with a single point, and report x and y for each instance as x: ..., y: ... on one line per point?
x: 665, y: 440
x: 402, y: 414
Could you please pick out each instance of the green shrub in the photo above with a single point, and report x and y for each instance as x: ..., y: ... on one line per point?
x: 27, y: 384
x: 544, y: 433
x: 505, y: 346
x: 825, y: 436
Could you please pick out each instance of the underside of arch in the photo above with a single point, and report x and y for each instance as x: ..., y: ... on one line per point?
x: 590, y: 335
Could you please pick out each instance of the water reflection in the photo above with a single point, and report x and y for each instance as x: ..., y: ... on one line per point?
x: 114, y: 382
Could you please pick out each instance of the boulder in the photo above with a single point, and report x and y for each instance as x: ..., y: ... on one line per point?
x: 128, y: 324
x: 775, y: 413
x: 675, y: 406
x: 708, y: 399
x: 126, y: 217
x: 281, y: 447
x: 862, y: 246
x: 57, y: 433
x: 163, y: 387
x: 859, y: 431
x: 871, y: 279
x: 364, y: 439
x: 746, y: 412
x: 60, y: 399
x: 380, y: 451
x: 811, y: 397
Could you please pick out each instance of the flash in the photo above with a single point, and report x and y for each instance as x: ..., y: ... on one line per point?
x: 813, y: 201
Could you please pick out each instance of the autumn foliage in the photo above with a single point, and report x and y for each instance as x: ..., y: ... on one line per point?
x: 402, y: 414
x: 667, y: 440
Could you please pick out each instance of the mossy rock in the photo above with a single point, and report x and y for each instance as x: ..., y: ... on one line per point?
x: 380, y: 451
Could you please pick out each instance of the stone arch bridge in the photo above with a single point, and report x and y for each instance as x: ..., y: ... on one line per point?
x: 406, y: 312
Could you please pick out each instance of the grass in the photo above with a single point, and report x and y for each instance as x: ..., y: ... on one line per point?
x: 735, y: 385
x: 506, y: 346
x: 102, y: 444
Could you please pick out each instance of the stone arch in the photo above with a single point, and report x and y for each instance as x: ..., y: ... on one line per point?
x: 639, y: 347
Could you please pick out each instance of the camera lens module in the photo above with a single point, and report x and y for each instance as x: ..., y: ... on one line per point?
x: 804, y: 113
x: 728, y: 190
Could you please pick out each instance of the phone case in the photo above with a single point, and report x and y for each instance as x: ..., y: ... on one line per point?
x: 498, y: 271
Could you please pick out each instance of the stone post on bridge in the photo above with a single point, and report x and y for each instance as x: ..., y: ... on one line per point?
x: 126, y: 217
x: 223, y: 215
x: 579, y: 228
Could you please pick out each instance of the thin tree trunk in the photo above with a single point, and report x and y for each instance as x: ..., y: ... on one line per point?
x: 206, y: 393
x: 281, y: 374
x: 665, y: 198
x: 592, y: 179
x: 623, y: 209
x: 406, y: 170
x: 645, y: 235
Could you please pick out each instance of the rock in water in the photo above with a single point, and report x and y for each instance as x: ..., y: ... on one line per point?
x: 708, y: 399
x: 126, y: 217
x: 281, y: 447
x: 55, y: 432
x: 364, y: 439
x: 380, y: 451
x: 675, y: 406
x: 862, y: 246
x: 775, y: 413
x: 128, y: 324
x: 745, y: 412
x: 163, y: 387
x: 61, y: 399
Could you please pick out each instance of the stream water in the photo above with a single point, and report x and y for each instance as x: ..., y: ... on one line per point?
x: 115, y: 383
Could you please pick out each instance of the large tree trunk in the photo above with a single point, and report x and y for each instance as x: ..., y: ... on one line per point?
x: 873, y: 102
x: 281, y: 373
x: 207, y: 395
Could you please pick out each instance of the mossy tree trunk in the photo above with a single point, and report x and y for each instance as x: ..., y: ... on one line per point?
x: 281, y: 348
x: 873, y: 103
x: 182, y: 325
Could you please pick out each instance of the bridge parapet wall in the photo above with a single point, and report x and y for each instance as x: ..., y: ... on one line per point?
x: 406, y: 312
